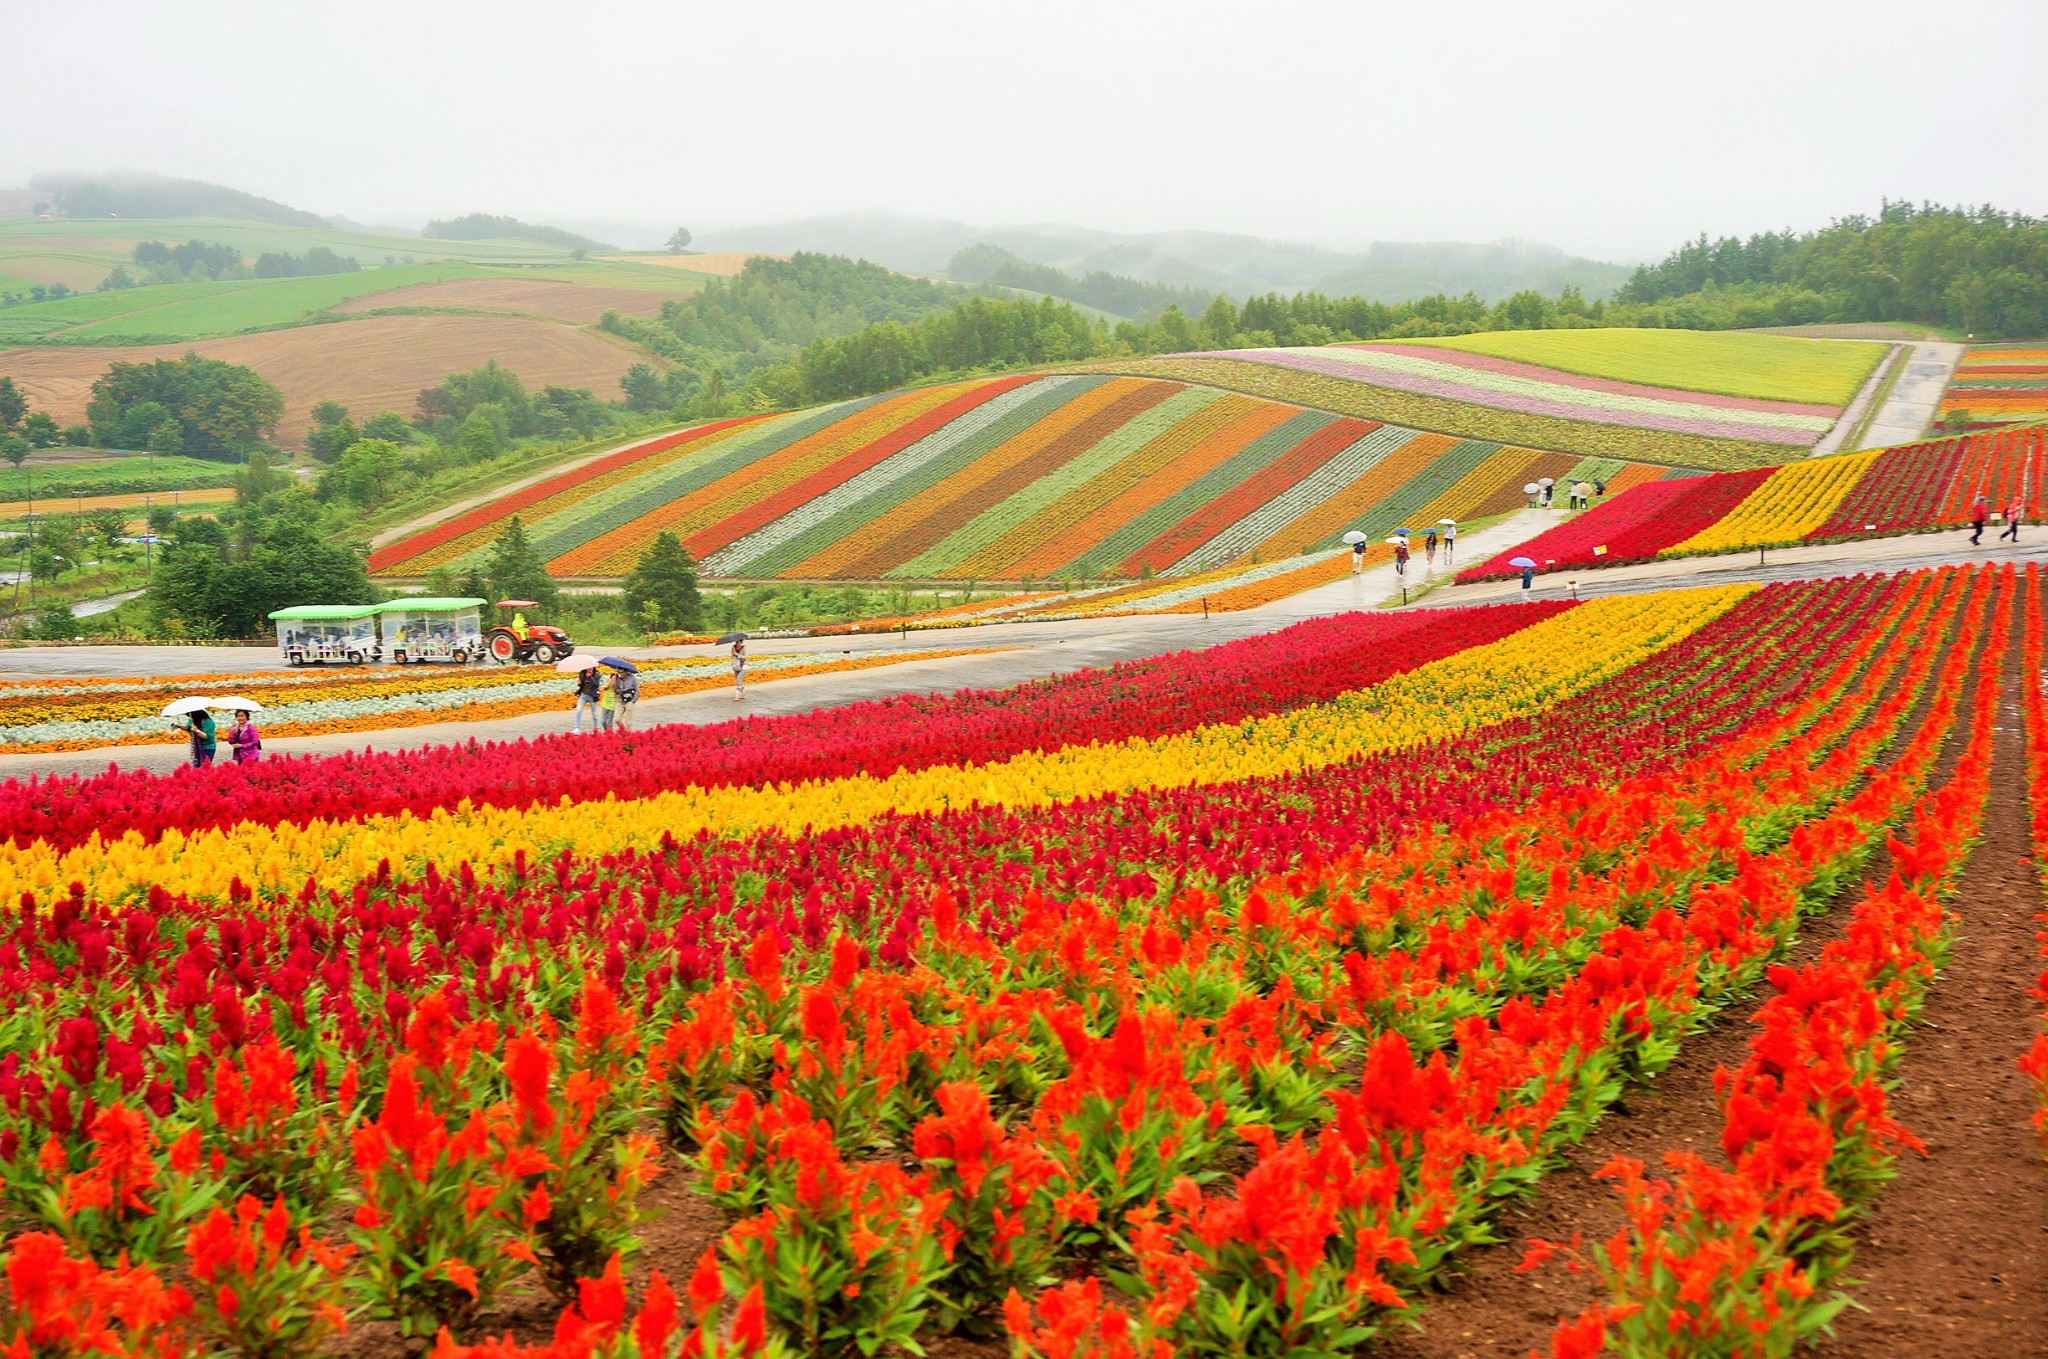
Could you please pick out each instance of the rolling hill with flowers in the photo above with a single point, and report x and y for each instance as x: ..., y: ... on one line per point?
x: 1024, y: 477
x: 1722, y: 400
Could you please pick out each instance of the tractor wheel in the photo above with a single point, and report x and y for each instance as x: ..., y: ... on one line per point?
x: 503, y: 649
x: 355, y: 658
x: 544, y: 654
x: 460, y: 657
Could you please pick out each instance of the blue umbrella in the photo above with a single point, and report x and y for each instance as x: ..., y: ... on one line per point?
x: 1401, y: 532
x: 618, y: 663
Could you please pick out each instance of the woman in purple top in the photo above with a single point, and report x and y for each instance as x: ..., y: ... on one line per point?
x: 242, y: 736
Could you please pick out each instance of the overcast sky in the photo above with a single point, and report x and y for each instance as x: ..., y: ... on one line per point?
x: 1612, y: 129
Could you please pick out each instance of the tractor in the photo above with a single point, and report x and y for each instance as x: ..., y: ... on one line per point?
x: 519, y: 641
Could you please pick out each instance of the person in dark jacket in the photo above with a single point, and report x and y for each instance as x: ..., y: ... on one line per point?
x: 586, y: 697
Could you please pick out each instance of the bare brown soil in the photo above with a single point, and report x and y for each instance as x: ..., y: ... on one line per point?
x: 1491, y: 1309
x: 1954, y: 1254
x: 723, y: 264
x: 571, y: 302
x: 377, y: 363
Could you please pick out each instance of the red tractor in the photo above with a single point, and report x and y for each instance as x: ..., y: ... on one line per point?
x: 519, y: 641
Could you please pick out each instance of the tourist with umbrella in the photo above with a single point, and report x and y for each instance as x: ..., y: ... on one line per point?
x: 1527, y: 567
x: 198, y: 728
x: 243, y: 736
x: 1450, y: 539
x: 1357, y: 541
x: 587, y: 687
x: 625, y: 687
x: 1429, y: 546
x: 738, y: 641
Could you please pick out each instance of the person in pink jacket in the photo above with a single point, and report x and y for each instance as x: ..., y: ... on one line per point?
x: 242, y: 736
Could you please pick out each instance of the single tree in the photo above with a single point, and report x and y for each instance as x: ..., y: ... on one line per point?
x: 666, y: 579
x: 13, y: 405
x: 40, y: 429
x: 391, y: 427
x: 643, y: 388
x: 517, y: 570
x: 678, y: 240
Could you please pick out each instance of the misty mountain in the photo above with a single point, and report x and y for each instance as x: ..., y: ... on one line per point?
x: 1206, y: 260
x: 134, y: 193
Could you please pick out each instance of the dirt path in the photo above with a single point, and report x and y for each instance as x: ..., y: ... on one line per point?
x: 1954, y: 1253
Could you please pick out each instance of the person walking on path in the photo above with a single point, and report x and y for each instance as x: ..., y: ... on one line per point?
x: 1599, y: 490
x: 1401, y: 558
x: 2014, y: 512
x: 1582, y: 496
x: 739, y: 669
x: 199, y: 728
x: 1528, y: 580
x: 244, y: 738
x: 1429, y: 548
x: 1357, y: 558
x: 627, y: 687
x: 607, y: 702
x: 586, y: 697
x: 1450, y: 542
x: 1980, y: 510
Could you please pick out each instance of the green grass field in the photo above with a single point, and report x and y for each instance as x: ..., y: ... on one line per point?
x: 114, y: 475
x: 1727, y: 363
x: 198, y: 311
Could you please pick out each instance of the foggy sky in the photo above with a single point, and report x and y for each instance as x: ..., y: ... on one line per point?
x: 1612, y: 129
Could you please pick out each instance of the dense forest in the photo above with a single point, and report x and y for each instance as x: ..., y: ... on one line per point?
x: 772, y: 309
x: 1979, y: 271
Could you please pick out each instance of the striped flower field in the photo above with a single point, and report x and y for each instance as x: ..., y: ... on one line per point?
x: 1016, y: 478
x: 2001, y: 385
x: 1913, y: 488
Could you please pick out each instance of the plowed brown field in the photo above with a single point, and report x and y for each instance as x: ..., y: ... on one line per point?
x: 377, y: 363
x: 572, y: 302
x: 725, y: 263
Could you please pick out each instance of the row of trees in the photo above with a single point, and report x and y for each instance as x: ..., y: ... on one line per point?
x: 156, y: 262
x: 1977, y: 270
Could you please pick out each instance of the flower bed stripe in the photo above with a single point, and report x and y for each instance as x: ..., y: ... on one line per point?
x: 1303, y: 501
x: 1305, y: 496
x: 615, y: 552
x: 1003, y: 518
x: 1086, y: 516
x: 850, y: 508
x: 1167, y: 551
x: 1487, y: 363
x: 1352, y: 501
x: 1792, y: 502
x: 479, y: 520
x: 1350, y: 396
x: 920, y: 523
x: 1106, y: 556
x: 849, y: 470
x: 1029, y: 536
x: 1530, y: 671
x: 581, y: 520
x: 1532, y: 398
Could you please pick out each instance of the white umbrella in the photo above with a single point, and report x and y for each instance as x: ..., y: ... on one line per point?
x: 1397, y: 541
x: 235, y: 703
x: 1531, y: 489
x: 570, y: 665
x: 1546, y: 481
x: 1452, y: 522
x: 179, y: 707
x: 1354, y: 537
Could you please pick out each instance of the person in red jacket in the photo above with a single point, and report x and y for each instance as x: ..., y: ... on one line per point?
x: 2014, y: 512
